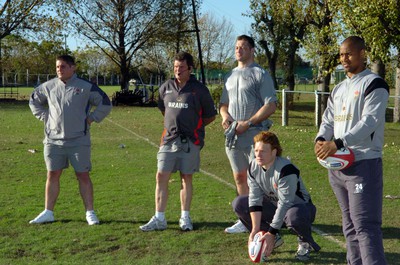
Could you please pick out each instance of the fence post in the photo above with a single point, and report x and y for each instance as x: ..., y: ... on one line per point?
x: 317, y: 108
x: 284, y: 108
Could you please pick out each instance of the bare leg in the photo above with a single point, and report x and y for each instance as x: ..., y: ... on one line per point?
x: 241, y: 182
x: 86, y: 189
x: 186, y: 191
x: 161, y: 194
x: 52, y: 188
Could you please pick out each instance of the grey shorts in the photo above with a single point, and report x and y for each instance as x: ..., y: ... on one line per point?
x: 176, y: 155
x: 58, y: 157
x: 240, y: 158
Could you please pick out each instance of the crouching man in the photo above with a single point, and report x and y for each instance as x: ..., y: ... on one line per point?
x: 277, y: 198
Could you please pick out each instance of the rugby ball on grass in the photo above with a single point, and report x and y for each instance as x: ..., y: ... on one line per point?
x: 343, y: 158
x: 257, y: 248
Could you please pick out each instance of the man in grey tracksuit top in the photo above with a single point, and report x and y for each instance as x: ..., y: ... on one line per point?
x: 277, y: 197
x: 64, y: 104
x: 355, y: 118
x: 68, y: 110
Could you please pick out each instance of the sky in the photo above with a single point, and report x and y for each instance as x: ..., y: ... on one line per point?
x: 231, y: 10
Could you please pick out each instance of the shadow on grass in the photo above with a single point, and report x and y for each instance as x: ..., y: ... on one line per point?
x: 391, y: 233
x: 321, y: 257
x: 13, y: 102
x: 336, y: 230
x: 332, y: 230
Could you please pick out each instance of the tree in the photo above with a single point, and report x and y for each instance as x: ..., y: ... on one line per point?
x: 217, y: 40
x: 156, y: 57
x: 17, y: 51
x: 295, y: 17
x: 17, y: 16
x: 46, y: 54
x: 92, y: 62
x: 120, y: 28
x: 281, y: 25
x: 224, y: 45
x: 321, y: 44
x: 378, y: 22
x: 123, y: 28
x: 268, y: 33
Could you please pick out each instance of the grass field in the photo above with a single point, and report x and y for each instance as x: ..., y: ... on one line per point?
x: 124, y: 185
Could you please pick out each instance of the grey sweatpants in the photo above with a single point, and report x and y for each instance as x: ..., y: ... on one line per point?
x: 298, y: 219
x: 359, y: 191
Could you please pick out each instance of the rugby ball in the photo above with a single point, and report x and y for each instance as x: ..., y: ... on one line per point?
x: 343, y: 158
x: 257, y: 248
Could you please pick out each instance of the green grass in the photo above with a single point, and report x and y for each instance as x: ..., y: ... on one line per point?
x: 124, y: 182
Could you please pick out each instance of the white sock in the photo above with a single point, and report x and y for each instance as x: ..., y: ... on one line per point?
x: 47, y: 211
x: 89, y: 212
x: 160, y: 216
x: 184, y: 214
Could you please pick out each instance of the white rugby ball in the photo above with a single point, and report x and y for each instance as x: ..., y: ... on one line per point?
x: 343, y: 158
x: 257, y: 248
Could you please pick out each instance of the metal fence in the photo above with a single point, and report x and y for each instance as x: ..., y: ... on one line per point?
x: 317, y: 97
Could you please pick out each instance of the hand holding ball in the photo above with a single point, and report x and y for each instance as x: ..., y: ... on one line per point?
x: 342, y: 159
x: 257, y: 248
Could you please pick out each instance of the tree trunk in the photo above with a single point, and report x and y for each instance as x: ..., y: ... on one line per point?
x: 323, y: 86
x: 124, y: 68
x: 272, y: 58
x: 378, y: 67
x: 290, y: 77
x: 124, y: 78
x: 326, y: 81
x: 272, y: 71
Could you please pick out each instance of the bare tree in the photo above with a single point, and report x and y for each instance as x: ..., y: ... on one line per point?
x: 224, y: 44
x: 217, y: 40
x: 121, y: 28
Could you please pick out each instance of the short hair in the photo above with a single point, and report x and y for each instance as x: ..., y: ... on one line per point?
x: 249, y: 39
x: 185, y: 56
x: 358, y: 42
x: 66, y: 58
x: 267, y: 137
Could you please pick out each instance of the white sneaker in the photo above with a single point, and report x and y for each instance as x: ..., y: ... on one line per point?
x: 303, y: 251
x: 154, y: 224
x: 91, y: 218
x: 238, y: 227
x: 186, y: 224
x: 44, y: 217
